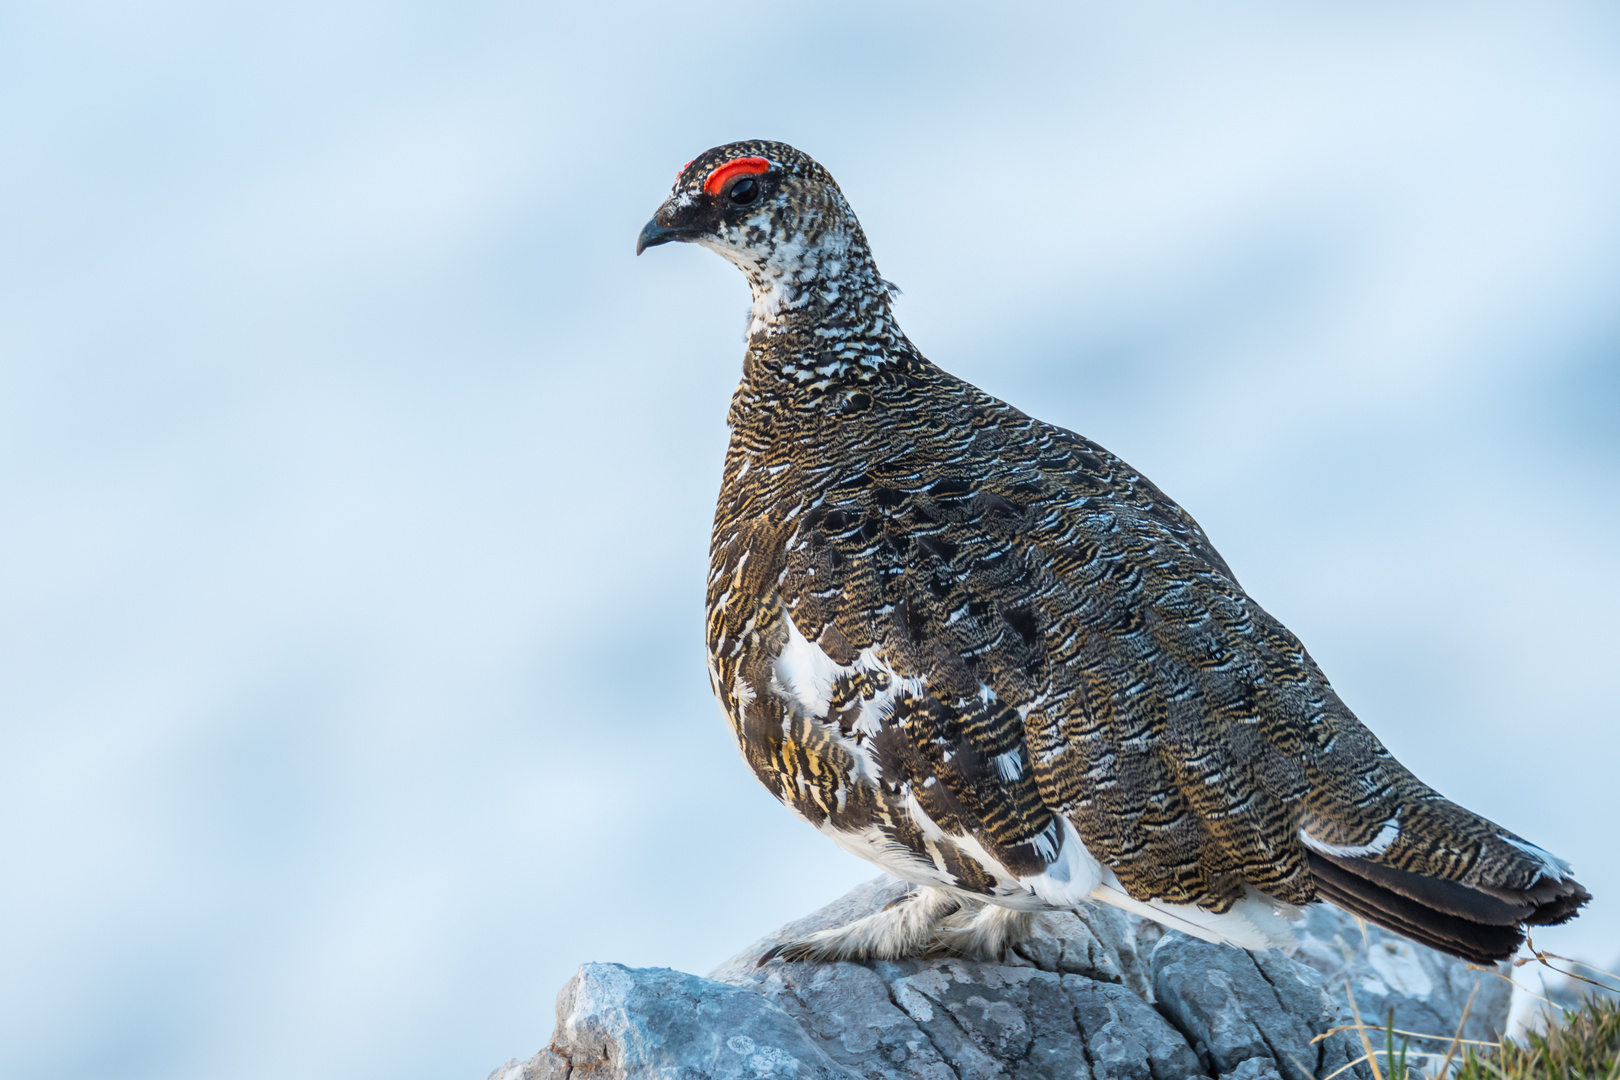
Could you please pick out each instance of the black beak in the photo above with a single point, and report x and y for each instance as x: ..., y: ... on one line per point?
x: 683, y: 224
x: 654, y: 234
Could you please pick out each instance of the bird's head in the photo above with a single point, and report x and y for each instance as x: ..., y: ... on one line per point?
x: 778, y: 215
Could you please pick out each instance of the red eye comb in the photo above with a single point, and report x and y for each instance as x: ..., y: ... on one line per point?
x: 743, y: 166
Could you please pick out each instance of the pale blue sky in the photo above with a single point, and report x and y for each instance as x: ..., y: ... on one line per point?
x: 357, y: 477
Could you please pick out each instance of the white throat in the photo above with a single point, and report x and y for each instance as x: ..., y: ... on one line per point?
x: 790, y: 276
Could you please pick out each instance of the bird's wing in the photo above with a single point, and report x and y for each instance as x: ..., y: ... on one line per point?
x: 1021, y: 635
x: 1073, y: 649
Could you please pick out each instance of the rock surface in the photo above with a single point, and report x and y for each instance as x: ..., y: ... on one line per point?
x: 1094, y: 995
x: 615, y: 1021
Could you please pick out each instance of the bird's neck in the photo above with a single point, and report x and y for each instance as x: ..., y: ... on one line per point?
x: 822, y: 318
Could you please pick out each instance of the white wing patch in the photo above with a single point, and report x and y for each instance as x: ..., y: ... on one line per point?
x: 804, y: 677
x: 1075, y: 877
x: 1072, y: 876
x: 1380, y: 843
x: 1009, y: 766
x: 804, y: 674
x: 742, y: 692
x: 1066, y: 882
x: 1551, y: 865
x: 1009, y: 891
x: 876, y: 710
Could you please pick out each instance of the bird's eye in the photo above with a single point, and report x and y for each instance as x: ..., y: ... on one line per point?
x: 745, y: 190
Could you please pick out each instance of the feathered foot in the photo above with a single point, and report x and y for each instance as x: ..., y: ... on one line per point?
x: 984, y: 933
x: 928, y: 922
x: 905, y: 928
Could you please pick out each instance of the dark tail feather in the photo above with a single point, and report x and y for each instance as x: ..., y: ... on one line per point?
x: 1482, y: 925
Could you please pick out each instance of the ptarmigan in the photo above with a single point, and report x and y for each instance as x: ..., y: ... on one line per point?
x: 984, y: 653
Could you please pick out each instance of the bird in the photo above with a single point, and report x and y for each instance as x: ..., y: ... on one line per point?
x: 986, y: 654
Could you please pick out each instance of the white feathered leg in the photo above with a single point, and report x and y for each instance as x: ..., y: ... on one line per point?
x: 984, y: 933
x: 905, y: 928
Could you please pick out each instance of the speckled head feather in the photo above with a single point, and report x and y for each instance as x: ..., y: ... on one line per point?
x: 790, y: 231
x: 987, y: 654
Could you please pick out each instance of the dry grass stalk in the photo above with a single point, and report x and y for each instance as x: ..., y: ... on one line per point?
x: 1457, y: 1040
x: 1361, y: 1030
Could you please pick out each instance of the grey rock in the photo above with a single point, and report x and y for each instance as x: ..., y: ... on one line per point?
x: 1247, y: 1014
x: 1125, y: 1038
x: 615, y: 1022
x: 1093, y: 995
x: 969, y: 1019
x: 1035, y: 1014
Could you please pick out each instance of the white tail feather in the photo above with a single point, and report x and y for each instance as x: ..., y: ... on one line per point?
x: 1255, y: 922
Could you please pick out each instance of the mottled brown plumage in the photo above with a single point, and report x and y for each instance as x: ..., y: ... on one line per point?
x: 960, y: 640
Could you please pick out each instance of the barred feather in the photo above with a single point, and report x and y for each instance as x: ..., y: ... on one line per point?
x: 988, y: 654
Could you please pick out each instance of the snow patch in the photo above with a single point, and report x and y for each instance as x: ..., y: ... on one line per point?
x: 1398, y: 965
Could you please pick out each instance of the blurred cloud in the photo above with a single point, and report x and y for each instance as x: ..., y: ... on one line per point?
x: 358, y: 479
